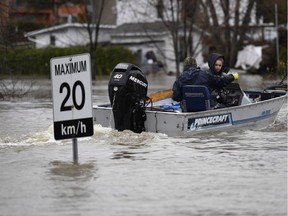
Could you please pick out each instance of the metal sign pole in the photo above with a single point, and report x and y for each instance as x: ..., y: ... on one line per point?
x: 75, y: 150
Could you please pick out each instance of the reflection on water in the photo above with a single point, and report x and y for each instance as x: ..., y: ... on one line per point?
x: 72, y: 171
x: 127, y: 155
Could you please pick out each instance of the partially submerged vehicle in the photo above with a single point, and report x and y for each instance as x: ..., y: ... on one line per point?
x: 131, y: 109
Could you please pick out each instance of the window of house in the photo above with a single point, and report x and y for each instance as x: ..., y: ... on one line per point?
x: 52, y: 40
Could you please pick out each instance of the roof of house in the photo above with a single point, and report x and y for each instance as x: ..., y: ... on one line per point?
x: 133, y: 29
x: 64, y: 26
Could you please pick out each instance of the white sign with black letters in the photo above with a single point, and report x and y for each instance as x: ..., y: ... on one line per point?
x: 72, y: 100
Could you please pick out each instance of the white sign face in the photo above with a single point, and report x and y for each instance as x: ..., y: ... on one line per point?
x: 72, y: 101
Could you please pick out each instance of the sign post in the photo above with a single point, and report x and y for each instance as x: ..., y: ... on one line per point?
x: 75, y: 149
x: 72, y: 100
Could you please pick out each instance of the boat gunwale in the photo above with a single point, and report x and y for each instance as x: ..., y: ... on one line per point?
x: 225, y: 109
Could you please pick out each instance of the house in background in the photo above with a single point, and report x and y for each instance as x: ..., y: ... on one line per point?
x: 21, y: 16
x: 146, y: 36
x: 152, y: 43
x: 142, y: 23
x: 67, y: 35
x: 134, y: 24
x: 54, y: 12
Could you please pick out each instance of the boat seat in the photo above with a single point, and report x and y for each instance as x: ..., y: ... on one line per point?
x: 195, y: 98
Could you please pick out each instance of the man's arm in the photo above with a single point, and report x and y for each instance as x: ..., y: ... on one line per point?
x: 177, y: 95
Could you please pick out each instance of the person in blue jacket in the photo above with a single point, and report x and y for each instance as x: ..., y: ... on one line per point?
x: 193, y: 75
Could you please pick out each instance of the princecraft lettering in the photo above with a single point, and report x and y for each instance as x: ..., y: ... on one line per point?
x: 70, y: 68
x: 209, y: 121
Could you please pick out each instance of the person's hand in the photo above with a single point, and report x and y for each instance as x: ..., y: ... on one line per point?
x: 235, y: 75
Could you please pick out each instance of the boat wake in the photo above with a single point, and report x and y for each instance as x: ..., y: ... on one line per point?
x: 101, y: 135
x: 280, y: 124
x: 277, y: 126
x: 125, y: 137
x: 32, y: 138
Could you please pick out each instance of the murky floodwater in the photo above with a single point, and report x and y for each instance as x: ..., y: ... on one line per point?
x: 123, y: 173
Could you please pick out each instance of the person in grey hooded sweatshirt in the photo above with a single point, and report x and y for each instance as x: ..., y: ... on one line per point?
x: 216, y: 63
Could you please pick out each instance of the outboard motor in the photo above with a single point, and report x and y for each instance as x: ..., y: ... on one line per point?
x: 127, y: 93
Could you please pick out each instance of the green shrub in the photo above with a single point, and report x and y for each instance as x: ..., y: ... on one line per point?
x: 36, y: 62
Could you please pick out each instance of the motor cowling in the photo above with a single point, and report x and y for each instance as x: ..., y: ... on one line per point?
x: 127, y: 93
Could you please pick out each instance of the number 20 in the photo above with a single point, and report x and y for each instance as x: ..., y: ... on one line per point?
x: 64, y: 107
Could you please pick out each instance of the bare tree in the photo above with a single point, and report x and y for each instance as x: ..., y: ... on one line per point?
x: 94, y: 11
x: 178, y: 16
x: 15, y: 88
x: 227, y: 24
x: 12, y: 86
x: 172, y: 25
x: 188, y: 17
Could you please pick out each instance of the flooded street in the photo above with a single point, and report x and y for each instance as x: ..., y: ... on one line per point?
x: 127, y: 174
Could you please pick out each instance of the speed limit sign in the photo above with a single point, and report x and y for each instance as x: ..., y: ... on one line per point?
x: 72, y: 100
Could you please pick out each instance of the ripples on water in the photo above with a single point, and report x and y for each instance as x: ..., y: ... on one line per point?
x: 241, y: 172
x: 123, y: 173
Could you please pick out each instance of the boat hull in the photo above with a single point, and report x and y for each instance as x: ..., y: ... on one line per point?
x: 254, y: 116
